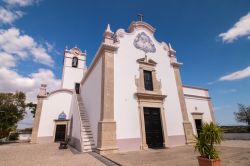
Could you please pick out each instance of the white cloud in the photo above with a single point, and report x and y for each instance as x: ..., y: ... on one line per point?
x: 7, y: 60
x: 241, y: 74
x: 21, y: 45
x: 8, y: 16
x: 21, y: 3
x: 11, y: 81
x: 240, y: 28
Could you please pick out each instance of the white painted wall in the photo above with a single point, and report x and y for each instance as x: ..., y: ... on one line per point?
x: 91, y: 94
x: 201, y: 104
x: 195, y: 91
x: 72, y: 76
x: 24, y: 137
x: 76, y: 123
x: 53, y: 105
x: 126, y: 69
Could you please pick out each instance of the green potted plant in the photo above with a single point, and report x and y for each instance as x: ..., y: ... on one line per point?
x: 209, y: 135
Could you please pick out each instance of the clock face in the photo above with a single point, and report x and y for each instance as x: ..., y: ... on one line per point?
x: 76, y: 52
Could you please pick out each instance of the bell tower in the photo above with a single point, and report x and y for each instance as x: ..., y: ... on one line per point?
x: 74, y: 68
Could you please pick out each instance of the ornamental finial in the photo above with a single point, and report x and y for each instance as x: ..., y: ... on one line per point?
x: 108, y: 28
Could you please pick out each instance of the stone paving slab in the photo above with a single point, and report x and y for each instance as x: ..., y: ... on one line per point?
x: 43, y: 155
x: 233, y: 153
x: 238, y: 154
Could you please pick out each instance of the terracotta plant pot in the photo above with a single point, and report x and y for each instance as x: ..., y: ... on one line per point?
x: 208, y: 162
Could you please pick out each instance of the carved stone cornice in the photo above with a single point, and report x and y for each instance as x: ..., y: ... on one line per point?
x: 109, y: 47
x: 150, y: 96
x: 176, y: 64
x: 144, y: 61
x: 197, y: 113
x: 196, y: 96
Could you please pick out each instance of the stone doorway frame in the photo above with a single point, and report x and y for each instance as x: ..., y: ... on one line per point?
x: 61, y: 122
x: 199, y: 116
x: 156, y: 102
x: 146, y: 98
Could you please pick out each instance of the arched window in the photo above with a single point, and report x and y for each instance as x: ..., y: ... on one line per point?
x: 75, y: 62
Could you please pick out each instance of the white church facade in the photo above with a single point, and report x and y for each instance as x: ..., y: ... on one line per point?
x: 131, y: 97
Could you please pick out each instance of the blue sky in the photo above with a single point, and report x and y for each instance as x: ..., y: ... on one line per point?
x: 212, y: 39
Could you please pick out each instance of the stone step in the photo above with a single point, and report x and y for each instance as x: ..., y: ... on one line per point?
x: 88, y: 143
x: 84, y: 120
x: 88, y: 130
x: 88, y: 147
x: 85, y: 124
x: 87, y: 138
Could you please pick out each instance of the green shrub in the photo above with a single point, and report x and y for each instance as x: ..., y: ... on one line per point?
x: 210, y: 134
x: 13, y: 136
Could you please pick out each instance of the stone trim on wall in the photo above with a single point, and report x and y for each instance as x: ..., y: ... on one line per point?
x: 197, y: 97
x: 61, y: 122
x: 106, y: 139
x: 197, y: 115
x: 188, y: 130
x: 141, y: 24
x: 36, y: 122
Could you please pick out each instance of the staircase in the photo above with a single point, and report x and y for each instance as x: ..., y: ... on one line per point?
x: 87, y: 141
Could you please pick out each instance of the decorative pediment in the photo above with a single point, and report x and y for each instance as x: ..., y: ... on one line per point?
x: 141, y: 24
x: 143, y: 42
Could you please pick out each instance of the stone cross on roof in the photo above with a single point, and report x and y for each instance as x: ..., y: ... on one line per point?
x: 140, y: 16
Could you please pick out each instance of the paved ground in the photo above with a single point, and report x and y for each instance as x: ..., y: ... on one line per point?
x: 43, y: 155
x: 233, y: 153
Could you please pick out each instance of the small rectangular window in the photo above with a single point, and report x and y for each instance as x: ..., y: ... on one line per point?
x: 148, y: 81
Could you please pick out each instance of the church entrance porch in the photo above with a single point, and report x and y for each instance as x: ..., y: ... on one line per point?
x: 153, y: 128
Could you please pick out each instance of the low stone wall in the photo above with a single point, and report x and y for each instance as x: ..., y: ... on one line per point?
x: 236, y: 136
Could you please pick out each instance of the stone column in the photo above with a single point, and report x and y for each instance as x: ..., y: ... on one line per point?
x: 42, y: 94
x: 106, y: 142
x: 186, y: 123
